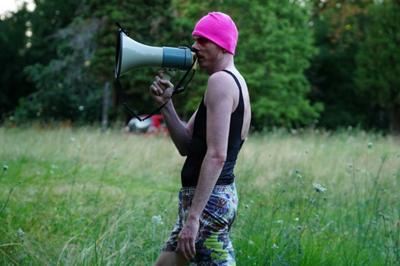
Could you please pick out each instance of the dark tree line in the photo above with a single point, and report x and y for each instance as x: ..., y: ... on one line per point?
x: 307, y: 63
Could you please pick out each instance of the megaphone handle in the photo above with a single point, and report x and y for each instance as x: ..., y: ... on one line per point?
x: 167, y: 73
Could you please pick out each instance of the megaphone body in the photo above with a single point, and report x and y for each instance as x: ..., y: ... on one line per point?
x: 131, y: 54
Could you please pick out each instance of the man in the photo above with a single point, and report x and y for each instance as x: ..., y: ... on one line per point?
x: 211, y: 141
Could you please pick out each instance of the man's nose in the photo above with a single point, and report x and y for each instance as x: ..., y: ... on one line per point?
x: 195, y: 47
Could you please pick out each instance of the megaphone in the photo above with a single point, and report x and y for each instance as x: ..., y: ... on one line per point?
x: 131, y: 54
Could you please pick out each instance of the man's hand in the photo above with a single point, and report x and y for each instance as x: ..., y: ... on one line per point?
x: 161, y: 89
x: 187, y: 238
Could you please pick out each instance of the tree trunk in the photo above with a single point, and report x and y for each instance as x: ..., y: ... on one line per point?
x: 106, y: 105
x: 395, y: 120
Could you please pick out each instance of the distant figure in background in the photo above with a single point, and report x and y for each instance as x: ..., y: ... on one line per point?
x: 211, y: 140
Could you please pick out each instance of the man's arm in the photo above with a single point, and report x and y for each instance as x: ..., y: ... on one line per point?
x: 180, y: 132
x: 219, y: 101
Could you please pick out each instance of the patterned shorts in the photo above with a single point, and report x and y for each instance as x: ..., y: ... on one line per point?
x: 213, y: 246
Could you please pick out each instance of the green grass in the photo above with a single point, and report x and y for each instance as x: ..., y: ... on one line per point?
x: 81, y: 197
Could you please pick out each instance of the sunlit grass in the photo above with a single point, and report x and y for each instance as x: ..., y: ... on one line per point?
x: 82, y: 197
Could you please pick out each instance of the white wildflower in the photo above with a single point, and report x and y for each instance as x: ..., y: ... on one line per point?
x: 319, y: 187
x: 20, y: 233
x: 81, y: 108
x: 275, y: 246
x: 156, y: 219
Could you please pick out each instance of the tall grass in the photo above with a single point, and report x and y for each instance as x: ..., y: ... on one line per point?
x: 81, y: 197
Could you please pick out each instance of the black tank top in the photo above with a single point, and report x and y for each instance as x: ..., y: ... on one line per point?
x: 198, y: 145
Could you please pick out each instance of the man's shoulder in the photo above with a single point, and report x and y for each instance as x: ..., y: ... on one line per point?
x: 219, y: 75
x: 218, y: 88
x: 220, y: 81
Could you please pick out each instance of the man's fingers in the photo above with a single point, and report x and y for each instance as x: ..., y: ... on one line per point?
x: 156, y: 90
x: 166, y: 83
x: 163, y: 82
x: 190, y: 250
x: 184, y: 247
x: 181, y: 249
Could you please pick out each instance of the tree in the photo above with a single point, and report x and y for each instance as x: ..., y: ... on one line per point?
x: 13, y: 47
x: 48, y: 17
x: 338, y: 35
x: 274, y: 49
x: 66, y: 89
x: 54, y: 62
x: 378, y: 61
x: 148, y: 22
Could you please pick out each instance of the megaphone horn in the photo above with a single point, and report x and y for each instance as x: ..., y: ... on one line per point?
x: 131, y: 54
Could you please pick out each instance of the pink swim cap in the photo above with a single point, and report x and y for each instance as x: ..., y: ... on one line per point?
x: 218, y: 28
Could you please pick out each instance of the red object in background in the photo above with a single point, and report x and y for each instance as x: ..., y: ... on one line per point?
x: 157, y: 124
x: 156, y: 121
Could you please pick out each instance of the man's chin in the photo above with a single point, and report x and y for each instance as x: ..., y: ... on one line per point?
x: 201, y: 64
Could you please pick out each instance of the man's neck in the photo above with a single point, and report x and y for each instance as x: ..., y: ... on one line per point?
x: 224, y: 63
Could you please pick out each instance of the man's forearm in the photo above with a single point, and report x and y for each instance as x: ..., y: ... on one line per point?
x: 177, y: 129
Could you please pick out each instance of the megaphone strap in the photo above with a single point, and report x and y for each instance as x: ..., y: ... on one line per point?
x: 146, y: 117
x: 121, y: 28
x: 180, y: 87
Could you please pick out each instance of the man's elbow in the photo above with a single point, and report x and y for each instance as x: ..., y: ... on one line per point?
x: 218, y: 157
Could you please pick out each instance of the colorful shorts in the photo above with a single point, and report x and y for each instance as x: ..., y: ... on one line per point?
x: 213, y: 246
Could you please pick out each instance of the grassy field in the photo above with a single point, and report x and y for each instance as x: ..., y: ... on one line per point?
x: 82, y: 197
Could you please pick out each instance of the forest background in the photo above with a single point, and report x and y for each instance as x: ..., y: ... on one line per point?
x: 309, y: 63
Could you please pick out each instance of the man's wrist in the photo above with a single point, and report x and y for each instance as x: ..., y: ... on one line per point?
x: 194, y: 217
x: 166, y: 104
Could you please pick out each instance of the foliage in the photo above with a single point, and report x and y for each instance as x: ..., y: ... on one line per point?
x: 306, y: 62
x: 66, y: 89
x: 274, y: 53
x: 148, y: 22
x: 13, y: 58
x: 279, y: 97
x: 378, y: 61
x: 338, y: 35
x: 46, y: 20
